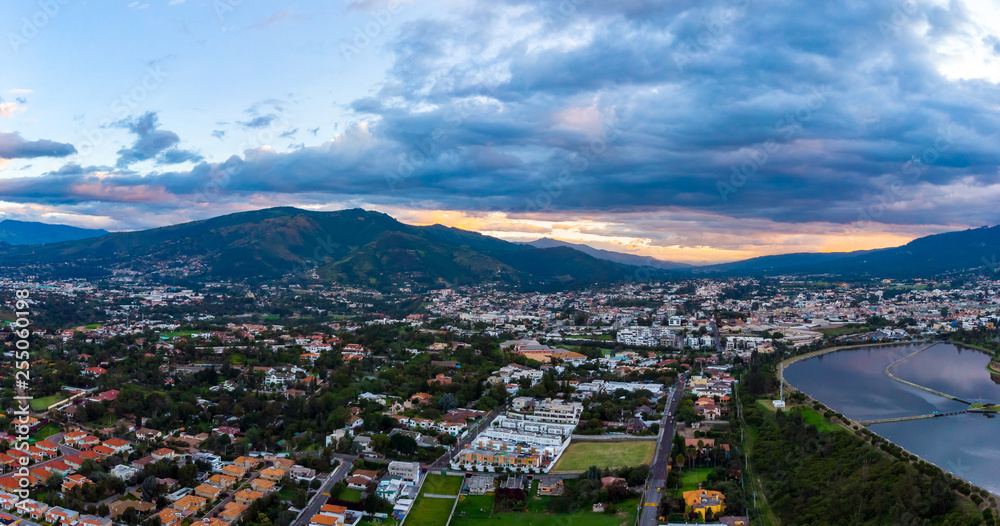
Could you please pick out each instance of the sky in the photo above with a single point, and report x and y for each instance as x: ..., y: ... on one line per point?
x: 697, y: 131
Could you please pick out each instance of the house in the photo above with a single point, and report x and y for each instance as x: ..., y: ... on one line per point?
x: 262, y: 486
x: 164, y: 453
x: 300, y: 473
x: 118, y: 445
x: 94, y: 372
x: 119, y: 506
x: 191, y: 503
x: 272, y: 474
x: 57, y: 514
x: 92, y: 520
x: 49, y: 448
x: 636, y: 425
x: 233, y: 470
x: 74, y: 461
x: 59, y: 467
x: 232, y: 512
x: 208, y: 491
x: 221, y: 481
x: 36, y: 510
x: 88, y: 442
x: 246, y: 496
x: 8, y: 500
x: 90, y: 455
x: 701, y: 501
x: 323, y: 520
x: 123, y: 472
x: 103, y: 451
x: 74, y: 481
x: 147, y: 434
x: 550, y: 487
x: 247, y: 462
x: 608, y: 481
x: 356, y: 482
x: 170, y: 517
x: 405, y: 470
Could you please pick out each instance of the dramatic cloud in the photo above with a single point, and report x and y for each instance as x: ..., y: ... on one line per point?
x: 13, y: 146
x: 152, y: 143
x: 814, y: 116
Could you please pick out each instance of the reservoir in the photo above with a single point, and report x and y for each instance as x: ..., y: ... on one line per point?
x: 853, y: 382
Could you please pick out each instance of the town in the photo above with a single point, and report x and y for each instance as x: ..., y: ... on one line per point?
x: 317, y: 406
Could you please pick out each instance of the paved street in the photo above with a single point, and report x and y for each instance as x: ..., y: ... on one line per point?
x: 323, y: 494
x: 648, y: 516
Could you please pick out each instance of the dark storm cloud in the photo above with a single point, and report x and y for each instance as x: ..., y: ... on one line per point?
x: 792, y: 111
x: 13, y: 146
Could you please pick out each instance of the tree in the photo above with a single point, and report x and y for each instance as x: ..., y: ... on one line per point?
x: 149, y: 488
x: 448, y: 402
x: 380, y: 442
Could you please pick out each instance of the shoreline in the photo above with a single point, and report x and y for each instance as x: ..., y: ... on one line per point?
x: 852, y: 422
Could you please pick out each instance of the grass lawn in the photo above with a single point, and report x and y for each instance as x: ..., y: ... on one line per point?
x: 581, y: 455
x: 46, y: 431
x: 815, y: 418
x: 430, y: 512
x: 474, y: 506
x: 692, y: 477
x: 442, y: 485
x: 353, y: 495
x: 38, y: 404
x: 583, y: 517
x: 91, y: 327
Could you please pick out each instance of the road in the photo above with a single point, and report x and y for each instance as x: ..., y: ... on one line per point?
x: 445, y: 461
x: 716, y: 336
x: 232, y: 495
x: 323, y: 494
x: 649, y: 514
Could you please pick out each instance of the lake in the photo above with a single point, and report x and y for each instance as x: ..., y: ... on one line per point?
x: 853, y: 382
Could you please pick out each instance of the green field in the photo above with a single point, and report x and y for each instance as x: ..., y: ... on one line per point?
x: 475, y: 506
x: 47, y: 430
x: 691, y: 477
x: 39, y: 404
x: 91, y: 327
x: 581, y: 455
x: 353, y: 495
x: 442, y: 485
x: 430, y: 512
x: 809, y: 416
x: 814, y: 417
x: 582, y: 517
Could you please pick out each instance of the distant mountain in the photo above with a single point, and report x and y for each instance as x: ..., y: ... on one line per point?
x: 975, y: 249
x: 29, y: 232
x: 349, y: 246
x: 608, y: 255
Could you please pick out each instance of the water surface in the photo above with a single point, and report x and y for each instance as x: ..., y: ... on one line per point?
x: 853, y: 382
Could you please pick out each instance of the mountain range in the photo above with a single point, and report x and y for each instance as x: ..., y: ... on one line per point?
x: 29, y: 233
x: 350, y: 246
x: 617, y: 257
x: 370, y: 248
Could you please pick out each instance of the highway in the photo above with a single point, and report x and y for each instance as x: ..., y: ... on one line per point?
x: 649, y: 514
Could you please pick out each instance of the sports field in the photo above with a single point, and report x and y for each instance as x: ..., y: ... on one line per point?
x: 581, y: 455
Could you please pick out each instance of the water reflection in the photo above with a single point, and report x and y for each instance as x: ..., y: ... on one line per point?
x: 854, y: 383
